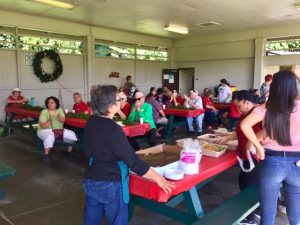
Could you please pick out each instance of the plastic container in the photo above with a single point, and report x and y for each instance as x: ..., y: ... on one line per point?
x: 232, y: 145
x: 207, y: 150
x: 32, y: 101
x: 211, y: 138
x: 222, y: 132
x: 190, y: 157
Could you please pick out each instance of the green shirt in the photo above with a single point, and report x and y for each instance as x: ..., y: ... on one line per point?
x: 145, y: 112
x: 45, y: 116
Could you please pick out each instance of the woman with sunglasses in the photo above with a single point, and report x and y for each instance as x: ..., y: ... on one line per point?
x: 279, y: 147
x: 142, y: 109
x: 109, y: 157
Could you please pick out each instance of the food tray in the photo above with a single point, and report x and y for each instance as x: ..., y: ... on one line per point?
x: 222, y: 132
x: 160, y: 155
x: 232, y: 145
x: 207, y: 150
x: 211, y: 138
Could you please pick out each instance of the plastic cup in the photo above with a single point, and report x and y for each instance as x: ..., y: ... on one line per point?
x: 141, y: 120
x: 73, y: 111
x: 66, y: 111
x: 164, y: 106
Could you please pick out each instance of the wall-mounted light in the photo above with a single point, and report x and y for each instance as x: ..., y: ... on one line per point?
x: 55, y: 3
x: 177, y: 29
x: 297, y: 5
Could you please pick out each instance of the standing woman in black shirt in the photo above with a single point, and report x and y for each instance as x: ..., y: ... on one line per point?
x: 108, y: 153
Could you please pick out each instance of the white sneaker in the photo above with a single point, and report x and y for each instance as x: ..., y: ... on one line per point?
x: 281, y: 208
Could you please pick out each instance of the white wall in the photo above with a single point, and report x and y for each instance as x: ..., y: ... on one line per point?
x: 236, y: 53
x: 71, y: 80
x: 208, y: 73
x: 145, y: 73
x: 149, y: 74
x: 80, y: 72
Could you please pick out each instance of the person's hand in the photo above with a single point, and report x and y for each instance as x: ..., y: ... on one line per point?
x: 174, y: 95
x: 249, y: 146
x: 167, y: 186
x: 260, y: 151
x: 138, y: 106
x: 224, y: 140
x: 60, y: 116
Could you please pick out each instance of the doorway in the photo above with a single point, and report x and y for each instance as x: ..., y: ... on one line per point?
x: 186, y: 80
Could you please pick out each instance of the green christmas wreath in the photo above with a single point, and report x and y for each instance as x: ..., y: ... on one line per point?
x: 38, y: 69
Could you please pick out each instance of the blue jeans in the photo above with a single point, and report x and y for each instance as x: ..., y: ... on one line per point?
x: 198, y: 119
x: 274, y: 172
x: 210, y: 117
x: 104, y: 198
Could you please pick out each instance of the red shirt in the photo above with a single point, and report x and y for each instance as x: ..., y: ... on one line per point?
x: 233, y: 111
x: 179, y: 100
x: 126, y: 109
x: 207, y: 101
x: 12, y: 98
x: 242, y: 139
x: 80, y: 107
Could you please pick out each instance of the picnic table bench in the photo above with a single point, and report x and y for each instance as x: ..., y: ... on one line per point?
x: 5, y: 172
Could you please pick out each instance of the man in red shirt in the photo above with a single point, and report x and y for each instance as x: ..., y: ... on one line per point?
x: 79, y: 106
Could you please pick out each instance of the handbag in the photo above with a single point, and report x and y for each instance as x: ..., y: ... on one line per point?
x: 58, y: 133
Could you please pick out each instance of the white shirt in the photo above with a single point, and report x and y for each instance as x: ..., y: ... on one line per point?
x: 197, y: 101
x: 223, y: 93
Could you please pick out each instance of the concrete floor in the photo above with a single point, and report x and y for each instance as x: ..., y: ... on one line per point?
x: 52, y: 194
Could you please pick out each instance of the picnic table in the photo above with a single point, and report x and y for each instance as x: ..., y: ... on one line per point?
x: 5, y: 172
x: 131, y: 130
x: 224, y: 106
x: 145, y: 193
x: 179, y: 112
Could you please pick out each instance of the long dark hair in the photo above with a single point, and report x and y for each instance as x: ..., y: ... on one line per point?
x: 280, y: 105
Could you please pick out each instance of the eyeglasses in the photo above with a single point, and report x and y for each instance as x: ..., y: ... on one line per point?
x: 139, y: 99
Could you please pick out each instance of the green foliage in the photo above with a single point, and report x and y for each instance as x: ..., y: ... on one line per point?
x: 180, y: 107
x: 78, y: 115
x: 31, y: 108
x: 37, y: 66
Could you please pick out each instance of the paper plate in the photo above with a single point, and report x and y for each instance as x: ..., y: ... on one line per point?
x: 174, y: 174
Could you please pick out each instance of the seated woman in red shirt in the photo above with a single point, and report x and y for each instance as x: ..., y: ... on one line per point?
x: 176, y: 99
x: 79, y: 106
x: 211, y: 112
x: 125, y: 106
x: 16, y: 98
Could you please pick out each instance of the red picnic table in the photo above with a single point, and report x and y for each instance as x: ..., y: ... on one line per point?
x: 147, y: 194
x: 172, y: 112
x: 129, y: 130
x: 219, y: 105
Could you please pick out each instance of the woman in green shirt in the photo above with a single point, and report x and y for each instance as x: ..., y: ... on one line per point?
x: 51, y: 118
